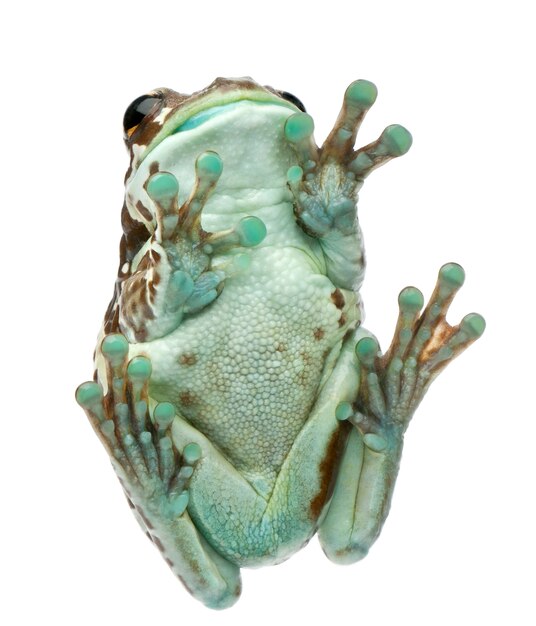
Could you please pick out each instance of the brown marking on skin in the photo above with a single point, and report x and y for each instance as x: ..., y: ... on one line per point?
x: 154, y: 168
x: 145, y: 263
x: 140, y: 334
x: 350, y: 332
x: 146, y: 132
x: 342, y: 320
x: 229, y: 84
x: 187, y: 587
x: 325, y: 354
x: 128, y: 173
x: 172, y: 565
x: 148, y: 311
x: 144, y: 211
x: 440, y: 336
x: 158, y: 544
x: 188, y: 359
x: 302, y: 378
x: 319, y: 333
x: 327, y: 470
x: 134, y: 237
x: 149, y: 536
x: 146, y: 521
x: 187, y: 398
x: 306, y: 357
x: 338, y: 298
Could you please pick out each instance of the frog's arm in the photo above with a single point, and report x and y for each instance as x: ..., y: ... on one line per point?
x: 173, y: 276
x: 391, y: 388
x: 154, y: 476
x: 326, y: 182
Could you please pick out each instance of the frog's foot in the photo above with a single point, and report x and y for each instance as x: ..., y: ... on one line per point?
x: 391, y: 387
x: 153, y: 473
x: 423, y: 344
x: 326, y: 180
x: 176, y: 276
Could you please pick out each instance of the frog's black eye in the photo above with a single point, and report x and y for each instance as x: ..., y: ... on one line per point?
x: 137, y: 110
x: 288, y: 96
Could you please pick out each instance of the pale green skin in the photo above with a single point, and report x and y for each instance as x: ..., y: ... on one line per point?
x: 257, y: 376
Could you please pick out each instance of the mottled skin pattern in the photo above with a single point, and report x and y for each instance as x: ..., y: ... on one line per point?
x: 243, y: 406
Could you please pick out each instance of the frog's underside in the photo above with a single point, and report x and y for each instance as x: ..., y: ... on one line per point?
x: 243, y: 406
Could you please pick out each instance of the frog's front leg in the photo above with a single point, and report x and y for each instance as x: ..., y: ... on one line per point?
x: 326, y: 182
x: 392, y: 386
x: 175, y: 275
x: 155, y: 475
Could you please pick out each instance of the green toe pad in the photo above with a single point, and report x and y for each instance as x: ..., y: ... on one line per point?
x: 162, y: 186
x: 397, y: 140
x: 473, y: 325
x: 411, y: 300
x: 367, y: 350
x: 89, y: 394
x: 298, y: 127
x: 362, y: 93
x: 452, y: 274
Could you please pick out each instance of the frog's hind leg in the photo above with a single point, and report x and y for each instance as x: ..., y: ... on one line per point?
x: 392, y: 386
x: 176, y: 276
x: 154, y: 475
x: 326, y: 180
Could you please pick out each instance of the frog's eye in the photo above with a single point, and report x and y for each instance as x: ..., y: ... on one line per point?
x: 295, y: 101
x: 137, y: 110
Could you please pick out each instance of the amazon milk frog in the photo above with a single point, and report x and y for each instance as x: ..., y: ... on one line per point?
x: 243, y: 405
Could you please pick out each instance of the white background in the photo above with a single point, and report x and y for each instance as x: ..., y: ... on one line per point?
x: 458, y: 547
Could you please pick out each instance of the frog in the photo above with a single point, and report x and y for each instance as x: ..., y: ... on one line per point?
x: 244, y: 406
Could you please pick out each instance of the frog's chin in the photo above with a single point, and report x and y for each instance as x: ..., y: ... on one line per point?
x: 249, y: 138
x: 204, y: 116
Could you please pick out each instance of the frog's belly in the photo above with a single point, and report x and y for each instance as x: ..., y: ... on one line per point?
x: 246, y: 370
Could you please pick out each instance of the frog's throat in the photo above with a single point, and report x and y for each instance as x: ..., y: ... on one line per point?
x: 200, y: 110
x: 249, y: 138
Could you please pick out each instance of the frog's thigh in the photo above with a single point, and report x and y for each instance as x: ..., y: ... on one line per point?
x: 249, y: 529
x: 224, y: 505
x: 361, y: 498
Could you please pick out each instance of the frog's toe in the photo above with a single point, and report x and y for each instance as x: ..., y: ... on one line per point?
x: 393, y: 384
x: 393, y: 142
x: 424, y: 343
x: 154, y: 475
x: 184, y: 221
x: 299, y: 129
x: 358, y: 99
x: 178, y: 274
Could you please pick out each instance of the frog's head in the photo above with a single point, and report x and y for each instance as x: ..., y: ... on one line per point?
x: 158, y: 114
x: 237, y: 118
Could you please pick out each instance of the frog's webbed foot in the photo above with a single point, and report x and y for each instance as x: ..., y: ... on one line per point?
x: 153, y: 473
x: 392, y: 385
x: 423, y: 344
x: 176, y: 277
x: 326, y: 181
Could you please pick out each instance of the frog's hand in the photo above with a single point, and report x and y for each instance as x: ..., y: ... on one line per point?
x: 326, y: 181
x: 154, y: 475
x: 176, y: 276
x: 391, y: 388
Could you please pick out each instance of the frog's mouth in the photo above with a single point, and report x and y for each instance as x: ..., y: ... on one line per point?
x: 203, y: 116
x: 192, y: 115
